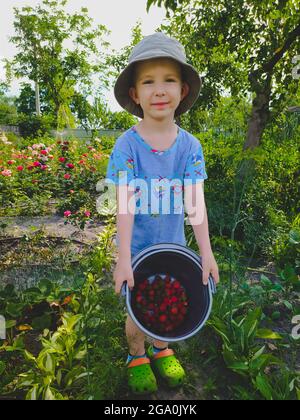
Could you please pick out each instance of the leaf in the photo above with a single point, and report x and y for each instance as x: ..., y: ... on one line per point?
x: 294, y: 237
x: 68, y: 299
x: 42, y: 322
x: 14, y: 309
x: 266, y: 281
x: 50, y: 364
x: 258, y: 353
x: 2, y: 367
x: 239, y: 366
x: 45, y: 286
x: 229, y: 356
x: 288, y: 305
x: 49, y: 396
x: 24, y: 327
x: 268, y: 334
x: 29, y: 356
x: 264, y: 387
x: 32, y: 393
x: 10, y: 324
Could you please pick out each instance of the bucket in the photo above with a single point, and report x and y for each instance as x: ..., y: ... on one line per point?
x: 183, y: 264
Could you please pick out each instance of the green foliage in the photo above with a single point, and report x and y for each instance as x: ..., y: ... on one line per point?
x: 58, y: 365
x: 259, y: 213
x: 287, y: 246
x: 25, y: 102
x: 8, y: 114
x: 223, y: 40
x: 40, y: 34
x: 120, y: 120
x: 280, y: 388
x: 34, y: 126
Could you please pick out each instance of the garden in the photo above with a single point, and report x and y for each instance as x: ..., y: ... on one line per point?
x: 64, y: 325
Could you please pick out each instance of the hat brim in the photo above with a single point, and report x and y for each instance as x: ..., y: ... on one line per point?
x: 124, y: 82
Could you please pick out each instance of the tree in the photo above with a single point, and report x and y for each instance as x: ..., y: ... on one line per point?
x: 247, y: 47
x: 25, y: 102
x: 42, y: 36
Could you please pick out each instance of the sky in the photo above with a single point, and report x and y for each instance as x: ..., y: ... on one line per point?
x: 119, y: 16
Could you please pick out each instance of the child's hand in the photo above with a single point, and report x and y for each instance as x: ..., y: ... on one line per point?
x: 209, y: 265
x: 123, y: 272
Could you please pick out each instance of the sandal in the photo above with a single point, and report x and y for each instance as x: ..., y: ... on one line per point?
x: 141, y: 379
x: 168, y: 367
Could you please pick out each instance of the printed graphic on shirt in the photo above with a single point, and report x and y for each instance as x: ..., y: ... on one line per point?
x: 158, y: 179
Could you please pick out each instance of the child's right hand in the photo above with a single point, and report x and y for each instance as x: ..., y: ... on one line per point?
x: 123, y: 272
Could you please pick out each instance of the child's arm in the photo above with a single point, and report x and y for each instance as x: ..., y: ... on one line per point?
x: 197, y: 213
x: 125, y: 219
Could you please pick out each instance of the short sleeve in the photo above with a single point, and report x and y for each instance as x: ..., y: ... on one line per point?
x: 120, y: 168
x: 195, y: 167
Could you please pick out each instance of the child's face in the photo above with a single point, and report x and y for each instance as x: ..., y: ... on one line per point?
x: 158, y: 88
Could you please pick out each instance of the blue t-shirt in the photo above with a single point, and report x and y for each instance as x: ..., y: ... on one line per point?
x: 158, y: 179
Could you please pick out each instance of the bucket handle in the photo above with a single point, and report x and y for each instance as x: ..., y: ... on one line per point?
x: 212, y: 287
x: 124, y: 289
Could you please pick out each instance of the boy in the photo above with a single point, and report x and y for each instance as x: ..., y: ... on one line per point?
x: 157, y: 86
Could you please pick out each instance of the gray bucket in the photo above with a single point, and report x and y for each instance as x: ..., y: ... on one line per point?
x: 185, y: 265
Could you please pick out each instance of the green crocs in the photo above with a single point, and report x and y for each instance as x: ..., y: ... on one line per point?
x: 168, y: 367
x: 141, y: 379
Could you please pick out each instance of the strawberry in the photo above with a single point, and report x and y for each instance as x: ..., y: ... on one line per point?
x: 163, y: 318
x: 174, y: 310
x: 161, y: 304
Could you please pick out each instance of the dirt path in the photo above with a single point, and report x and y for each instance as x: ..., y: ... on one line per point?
x: 53, y: 226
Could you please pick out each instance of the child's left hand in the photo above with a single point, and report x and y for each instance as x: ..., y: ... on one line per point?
x: 209, y: 265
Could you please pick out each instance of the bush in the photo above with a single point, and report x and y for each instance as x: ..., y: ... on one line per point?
x: 33, y: 126
x: 261, y: 210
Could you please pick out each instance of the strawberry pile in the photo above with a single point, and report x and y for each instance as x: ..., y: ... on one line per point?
x: 160, y: 304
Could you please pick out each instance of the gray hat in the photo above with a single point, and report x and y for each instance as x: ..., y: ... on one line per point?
x: 157, y: 45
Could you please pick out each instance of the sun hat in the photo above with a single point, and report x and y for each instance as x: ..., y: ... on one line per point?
x: 153, y: 46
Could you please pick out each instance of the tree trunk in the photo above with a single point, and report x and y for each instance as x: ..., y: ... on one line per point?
x: 256, y: 126
x: 37, y: 99
x: 258, y: 120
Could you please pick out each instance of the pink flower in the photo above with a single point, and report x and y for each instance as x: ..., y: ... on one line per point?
x: 36, y: 164
x: 67, y: 213
x: 6, y: 172
x: 67, y: 176
x: 70, y: 165
x: 87, y: 213
x: 72, y: 191
x: 10, y: 162
x: 97, y: 156
x: 62, y: 159
x: 44, y: 152
x: 44, y: 167
x: 20, y: 168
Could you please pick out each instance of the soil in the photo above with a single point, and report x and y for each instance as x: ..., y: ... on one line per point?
x: 53, y: 226
x: 37, y: 247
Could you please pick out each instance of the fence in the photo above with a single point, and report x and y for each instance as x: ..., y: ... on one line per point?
x: 85, y: 134
x: 10, y: 129
x: 78, y: 133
